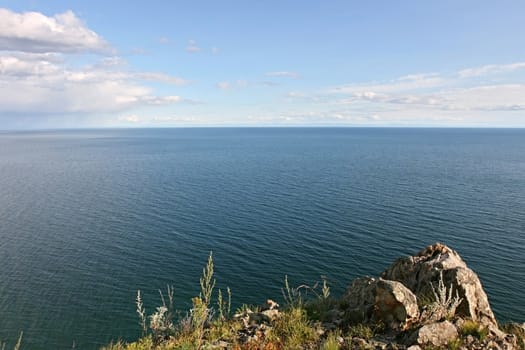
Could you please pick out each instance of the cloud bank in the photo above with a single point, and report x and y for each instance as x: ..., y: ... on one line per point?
x: 35, y: 32
x: 482, y: 95
x: 55, y: 65
x: 37, y: 76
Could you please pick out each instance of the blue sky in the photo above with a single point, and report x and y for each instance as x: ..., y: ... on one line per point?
x: 68, y: 64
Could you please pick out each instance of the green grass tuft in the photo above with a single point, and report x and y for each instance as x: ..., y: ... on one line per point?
x: 361, y: 331
x: 293, y: 330
x: 475, y: 329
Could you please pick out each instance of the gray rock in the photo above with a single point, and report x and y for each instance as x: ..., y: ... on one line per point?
x: 414, y: 347
x: 516, y: 334
x: 436, y: 334
x: 271, y: 314
x: 517, y: 329
x: 421, y: 271
x: 374, y: 300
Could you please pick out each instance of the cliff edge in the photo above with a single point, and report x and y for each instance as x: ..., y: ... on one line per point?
x: 431, y: 300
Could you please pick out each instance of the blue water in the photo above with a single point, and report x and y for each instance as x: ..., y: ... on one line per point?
x: 88, y: 217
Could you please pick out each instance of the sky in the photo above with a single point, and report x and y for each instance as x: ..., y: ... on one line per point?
x: 90, y: 63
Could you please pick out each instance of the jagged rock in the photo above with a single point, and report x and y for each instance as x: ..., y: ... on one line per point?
x: 515, y: 328
x: 255, y: 325
x: 414, y: 347
x: 379, y: 300
x: 517, y: 333
x: 359, y: 343
x: 395, y: 303
x: 251, y: 318
x: 360, y: 299
x: 436, y: 334
x: 271, y: 314
x: 421, y: 271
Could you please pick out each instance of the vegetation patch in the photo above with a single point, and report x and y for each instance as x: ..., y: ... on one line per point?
x: 474, y: 329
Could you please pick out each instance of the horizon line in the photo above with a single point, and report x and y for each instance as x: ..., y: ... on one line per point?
x: 260, y: 127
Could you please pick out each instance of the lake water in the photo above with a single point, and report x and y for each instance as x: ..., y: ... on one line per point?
x: 88, y: 217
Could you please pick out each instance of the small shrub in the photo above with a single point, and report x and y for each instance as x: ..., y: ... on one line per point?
x: 145, y: 343
x: 190, y: 332
x: 117, y: 346
x: 161, y: 322
x: 141, y: 311
x: 315, y: 300
x: 445, y: 304
x: 247, y: 309
x: 483, y: 333
x: 224, y: 306
x: 331, y: 342
x: 201, y: 313
x: 292, y: 296
x: 454, y: 344
x: 293, y: 329
x: 361, y: 331
x: 295, y: 297
x: 475, y: 329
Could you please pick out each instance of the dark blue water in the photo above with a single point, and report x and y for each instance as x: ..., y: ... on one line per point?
x: 89, y: 217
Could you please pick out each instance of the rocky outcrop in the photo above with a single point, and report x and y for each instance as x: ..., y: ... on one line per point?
x: 381, y: 301
x: 517, y: 331
x: 421, y: 272
x: 431, y: 300
x: 424, y: 300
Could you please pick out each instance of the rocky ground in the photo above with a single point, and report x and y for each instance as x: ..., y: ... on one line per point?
x: 431, y: 300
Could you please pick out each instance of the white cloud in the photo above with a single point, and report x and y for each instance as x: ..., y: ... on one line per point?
x: 322, y: 117
x: 132, y: 118
x: 224, y: 85
x: 243, y: 84
x: 457, y: 92
x: 431, y: 100
x: 415, y: 82
x: 295, y: 94
x: 113, y: 61
x: 35, y: 77
x: 215, y: 50
x: 26, y: 65
x: 160, y: 100
x: 369, y: 96
x: 283, y: 74
x: 502, y: 97
x: 490, y: 69
x: 38, y: 33
x: 162, y: 78
x: 35, y: 84
x: 178, y: 120
x: 238, y: 84
x: 158, y: 120
x: 459, y: 98
x: 192, y: 47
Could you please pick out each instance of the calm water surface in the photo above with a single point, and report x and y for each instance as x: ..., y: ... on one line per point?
x: 88, y: 217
